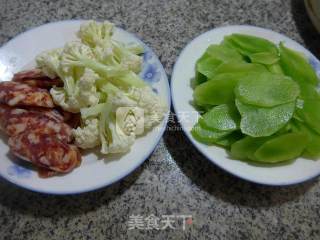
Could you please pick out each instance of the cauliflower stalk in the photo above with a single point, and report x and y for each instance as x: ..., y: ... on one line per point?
x: 100, y: 76
x: 113, y: 138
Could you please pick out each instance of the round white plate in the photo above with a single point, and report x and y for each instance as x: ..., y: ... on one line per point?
x: 181, y: 91
x: 94, y: 173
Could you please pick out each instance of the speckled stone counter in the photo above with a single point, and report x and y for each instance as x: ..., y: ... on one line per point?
x: 176, y: 179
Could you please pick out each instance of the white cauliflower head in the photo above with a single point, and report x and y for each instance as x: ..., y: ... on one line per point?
x: 87, y: 136
x: 153, y: 106
x: 48, y: 62
x: 85, y: 93
x: 94, y: 33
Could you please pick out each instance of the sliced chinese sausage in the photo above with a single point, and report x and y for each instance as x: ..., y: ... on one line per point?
x: 45, y: 82
x: 36, y: 78
x: 49, y: 112
x: 7, y: 112
x: 4, y: 112
x: 18, y: 94
x: 16, y: 120
x: 34, y: 73
x: 45, y: 151
x: 38, y: 124
x: 46, y: 173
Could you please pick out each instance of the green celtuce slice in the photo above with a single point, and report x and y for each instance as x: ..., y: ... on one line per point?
x: 282, y: 148
x: 308, y: 91
x: 214, y: 56
x: 198, y: 79
x: 312, y: 149
x: 222, y: 53
x: 218, y: 90
x: 207, y: 136
x: 310, y: 113
x: 266, y: 58
x: 207, y: 66
x: 239, y: 67
x: 260, y: 121
x: 248, y: 45
x: 229, y: 139
x: 246, y: 147
x: 295, y: 65
x: 275, y: 68
x: 224, y: 117
x: 266, y: 89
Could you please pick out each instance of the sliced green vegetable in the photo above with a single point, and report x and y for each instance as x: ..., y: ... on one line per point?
x: 308, y: 91
x: 218, y: 90
x: 282, y: 148
x: 239, y: 67
x: 214, y: 56
x: 224, y: 117
x: 224, y: 54
x: 310, y: 113
x: 266, y: 89
x: 312, y: 149
x: 207, y: 66
x: 266, y: 58
x: 198, y: 79
x: 230, y: 139
x: 248, y: 45
x: 275, y: 68
x: 295, y: 65
x: 207, y: 136
x: 246, y: 147
x: 261, y: 122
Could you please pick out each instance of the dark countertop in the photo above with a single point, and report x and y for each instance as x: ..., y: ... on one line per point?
x: 176, y: 179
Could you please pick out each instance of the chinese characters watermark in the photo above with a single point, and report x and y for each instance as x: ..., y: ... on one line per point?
x: 163, y: 222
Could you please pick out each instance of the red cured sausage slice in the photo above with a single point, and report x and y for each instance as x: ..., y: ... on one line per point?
x: 6, y: 112
x: 49, y: 112
x: 14, y: 121
x: 45, y: 151
x: 44, y: 82
x: 34, y: 73
x: 46, y: 173
x: 36, y: 78
x: 38, y: 124
x: 18, y: 94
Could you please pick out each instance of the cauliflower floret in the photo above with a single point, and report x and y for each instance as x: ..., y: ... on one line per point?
x: 153, y: 106
x: 88, y: 136
x: 126, y: 58
x: 48, y: 62
x: 87, y: 91
x: 85, y: 94
x: 61, y: 99
x: 94, y: 33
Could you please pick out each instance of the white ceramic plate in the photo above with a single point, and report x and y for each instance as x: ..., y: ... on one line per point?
x: 181, y: 91
x: 94, y: 173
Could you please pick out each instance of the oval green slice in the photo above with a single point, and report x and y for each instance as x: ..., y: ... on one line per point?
x: 207, y: 136
x: 224, y: 117
x: 282, y: 148
x: 246, y: 147
x: 261, y: 122
x: 266, y: 89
